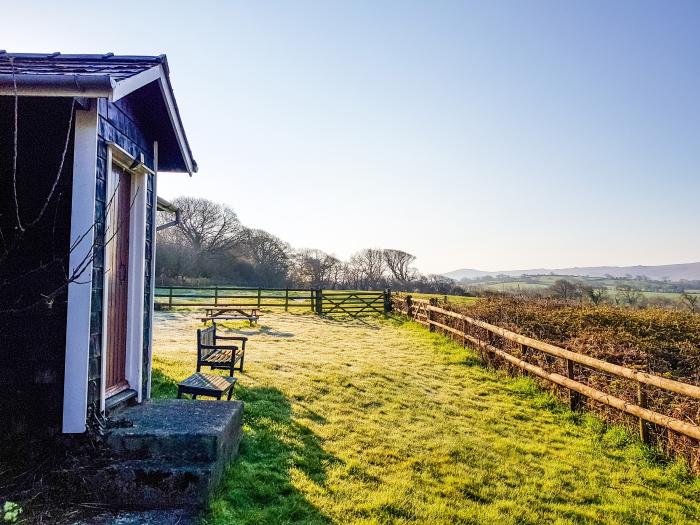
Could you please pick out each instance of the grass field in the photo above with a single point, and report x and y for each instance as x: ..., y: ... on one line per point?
x: 542, y: 282
x: 380, y: 422
x: 456, y: 299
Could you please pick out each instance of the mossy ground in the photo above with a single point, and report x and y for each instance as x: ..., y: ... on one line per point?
x: 380, y: 422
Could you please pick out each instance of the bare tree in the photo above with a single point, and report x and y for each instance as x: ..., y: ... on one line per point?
x: 435, y: 283
x: 315, y: 268
x: 338, y: 275
x: 370, y: 267
x: 210, y: 243
x: 629, y: 295
x: 270, y: 256
x: 564, y: 289
x: 207, y: 227
x: 399, y: 264
x: 690, y: 301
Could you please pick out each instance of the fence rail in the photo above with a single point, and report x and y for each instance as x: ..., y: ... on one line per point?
x: 486, y: 339
x: 228, y: 296
x: 322, y: 302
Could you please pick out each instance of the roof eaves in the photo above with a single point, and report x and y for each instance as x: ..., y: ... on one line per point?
x: 106, y: 57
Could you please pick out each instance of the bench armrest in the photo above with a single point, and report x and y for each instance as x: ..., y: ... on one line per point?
x: 232, y: 337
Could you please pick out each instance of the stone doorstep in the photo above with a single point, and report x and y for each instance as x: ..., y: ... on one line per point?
x: 173, y: 454
x: 177, y: 429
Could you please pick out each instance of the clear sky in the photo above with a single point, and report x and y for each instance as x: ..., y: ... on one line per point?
x: 492, y: 135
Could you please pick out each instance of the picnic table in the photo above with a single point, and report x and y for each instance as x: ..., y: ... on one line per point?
x: 231, y: 314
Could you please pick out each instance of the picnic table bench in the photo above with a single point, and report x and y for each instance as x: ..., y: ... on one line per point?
x: 211, y: 385
x: 231, y: 314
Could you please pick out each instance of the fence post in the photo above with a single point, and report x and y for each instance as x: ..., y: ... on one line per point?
x: 286, y: 299
x: 642, y: 402
x: 259, y: 293
x: 216, y: 295
x: 387, y: 301
x: 524, y: 353
x: 319, y: 301
x: 574, y: 397
x: 490, y: 341
x: 170, y: 297
x: 409, y: 306
x: 431, y: 326
x: 464, y: 333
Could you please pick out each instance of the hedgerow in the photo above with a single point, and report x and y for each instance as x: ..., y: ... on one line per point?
x: 658, y: 341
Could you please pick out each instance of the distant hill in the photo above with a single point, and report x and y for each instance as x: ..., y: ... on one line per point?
x: 673, y: 272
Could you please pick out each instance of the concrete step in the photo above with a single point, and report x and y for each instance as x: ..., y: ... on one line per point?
x: 140, y: 484
x: 148, y: 517
x: 178, y: 430
x: 168, y: 453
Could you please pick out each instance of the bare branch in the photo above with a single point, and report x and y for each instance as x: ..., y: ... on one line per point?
x: 60, y: 168
x: 15, y: 148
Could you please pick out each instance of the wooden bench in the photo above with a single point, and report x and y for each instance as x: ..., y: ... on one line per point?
x: 217, y: 356
x: 206, y: 385
x: 230, y: 314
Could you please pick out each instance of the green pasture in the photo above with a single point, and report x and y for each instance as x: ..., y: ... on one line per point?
x: 378, y: 421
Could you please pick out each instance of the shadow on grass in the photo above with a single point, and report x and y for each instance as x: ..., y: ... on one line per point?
x: 350, y: 321
x: 258, y: 486
x: 266, y: 330
x: 162, y: 386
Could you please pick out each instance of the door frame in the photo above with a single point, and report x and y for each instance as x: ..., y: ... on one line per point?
x: 136, y: 272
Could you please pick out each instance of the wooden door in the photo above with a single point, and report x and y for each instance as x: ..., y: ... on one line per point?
x: 117, y: 276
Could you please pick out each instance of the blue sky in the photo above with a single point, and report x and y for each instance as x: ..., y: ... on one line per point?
x: 492, y: 135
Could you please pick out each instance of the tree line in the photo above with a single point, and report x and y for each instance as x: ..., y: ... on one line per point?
x: 211, y: 246
x: 621, y: 295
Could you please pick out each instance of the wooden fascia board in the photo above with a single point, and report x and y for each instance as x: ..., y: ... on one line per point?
x: 176, y: 123
x: 131, y: 84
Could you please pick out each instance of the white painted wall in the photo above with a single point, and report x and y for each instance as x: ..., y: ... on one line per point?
x: 75, y: 383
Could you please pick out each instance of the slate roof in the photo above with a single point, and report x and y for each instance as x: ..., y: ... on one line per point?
x: 108, y: 65
x: 105, y: 75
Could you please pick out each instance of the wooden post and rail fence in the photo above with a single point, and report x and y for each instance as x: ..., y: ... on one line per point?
x: 493, y: 341
x: 321, y: 302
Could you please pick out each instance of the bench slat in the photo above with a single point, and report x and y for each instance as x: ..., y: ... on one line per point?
x: 200, y: 384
